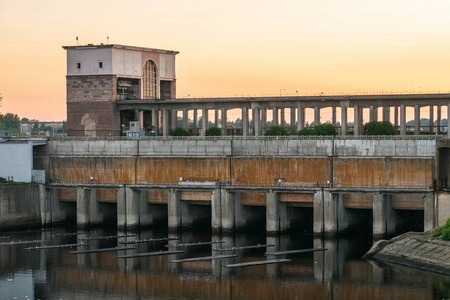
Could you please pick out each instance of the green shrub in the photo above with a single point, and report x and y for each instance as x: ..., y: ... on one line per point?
x: 213, y: 131
x: 179, y: 132
x: 306, y: 131
x: 325, y: 129
x: 379, y: 128
x: 275, y: 130
x: 443, y: 231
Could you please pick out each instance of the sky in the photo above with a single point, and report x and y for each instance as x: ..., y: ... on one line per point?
x: 231, y: 48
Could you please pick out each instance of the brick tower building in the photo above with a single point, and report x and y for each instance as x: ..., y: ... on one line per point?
x: 98, y: 75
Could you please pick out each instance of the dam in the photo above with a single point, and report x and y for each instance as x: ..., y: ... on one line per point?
x: 326, y: 185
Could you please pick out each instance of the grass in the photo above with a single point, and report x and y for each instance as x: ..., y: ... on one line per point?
x: 443, y: 232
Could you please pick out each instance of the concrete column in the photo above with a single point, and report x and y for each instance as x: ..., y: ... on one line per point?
x: 429, y: 212
x: 244, y: 121
x: 282, y: 117
x: 95, y: 215
x: 263, y: 120
x: 186, y: 215
x: 300, y: 116
x: 51, y: 209
x: 216, y: 215
x: 275, y: 116
x: 357, y: 121
x: 344, y: 120
x: 195, y: 123
x: 174, y: 209
x: 204, y: 121
x: 335, y: 216
x: 417, y: 119
x: 277, y: 218
x: 145, y: 212
x: 173, y: 118
x: 216, y: 118
x: 227, y: 210
x: 431, y: 119
x: 292, y: 119
x: 132, y: 207
x: 137, y: 117
x: 121, y: 208
x: 438, y: 119
x: 165, y: 122
x: 383, y: 215
x: 316, y: 115
x: 83, y: 207
x: 333, y: 115
x: 256, y: 121
x: 448, y: 118
x: 387, y: 113
x: 224, y: 121
x: 318, y: 212
x: 185, y: 119
x: 396, y: 117
x: 402, y: 119
x: 155, y: 121
x: 372, y: 114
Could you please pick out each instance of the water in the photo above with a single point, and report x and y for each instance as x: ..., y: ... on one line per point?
x: 337, y: 273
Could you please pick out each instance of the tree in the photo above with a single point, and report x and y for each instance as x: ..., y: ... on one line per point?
x: 325, y: 129
x: 379, y: 128
x: 10, y: 121
x: 179, y: 132
x: 1, y: 98
x: 275, y: 130
x: 213, y: 131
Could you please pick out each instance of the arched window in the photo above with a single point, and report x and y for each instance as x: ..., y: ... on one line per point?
x: 149, y: 79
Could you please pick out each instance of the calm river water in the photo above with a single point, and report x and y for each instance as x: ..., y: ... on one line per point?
x: 335, y: 273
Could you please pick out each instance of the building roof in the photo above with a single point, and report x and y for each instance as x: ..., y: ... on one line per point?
x: 117, y: 46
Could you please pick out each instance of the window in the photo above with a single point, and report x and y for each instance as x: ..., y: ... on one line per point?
x: 100, y: 64
x: 149, y: 78
x: 78, y: 65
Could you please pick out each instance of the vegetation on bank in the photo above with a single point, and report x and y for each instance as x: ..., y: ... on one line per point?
x: 180, y: 132
x: 443, y: 232
x: 276, y: 130
x: 213, y: 131
x: 319, y: 130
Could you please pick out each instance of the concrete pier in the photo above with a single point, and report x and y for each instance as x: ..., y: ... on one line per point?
x: 88, y: 212
x: 383, y: 215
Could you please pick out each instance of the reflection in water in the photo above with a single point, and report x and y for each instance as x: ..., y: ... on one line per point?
x: 337, y: 273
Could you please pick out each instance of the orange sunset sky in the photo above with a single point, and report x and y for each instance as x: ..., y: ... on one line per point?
x: 231, y: 48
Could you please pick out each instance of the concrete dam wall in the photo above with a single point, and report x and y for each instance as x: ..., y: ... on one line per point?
x: 232, y: 181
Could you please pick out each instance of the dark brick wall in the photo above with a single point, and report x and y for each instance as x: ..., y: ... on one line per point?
x: 93, y: 97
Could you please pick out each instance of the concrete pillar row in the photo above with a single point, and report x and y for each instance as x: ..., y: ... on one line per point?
x: 330, y: 215
x: 216, y: 118
x: 373, y: 114
x: 232, y: 212
x: 396, y: 124
x: 133, y: 210
x: 417, y: 119
x: 195, y: 119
